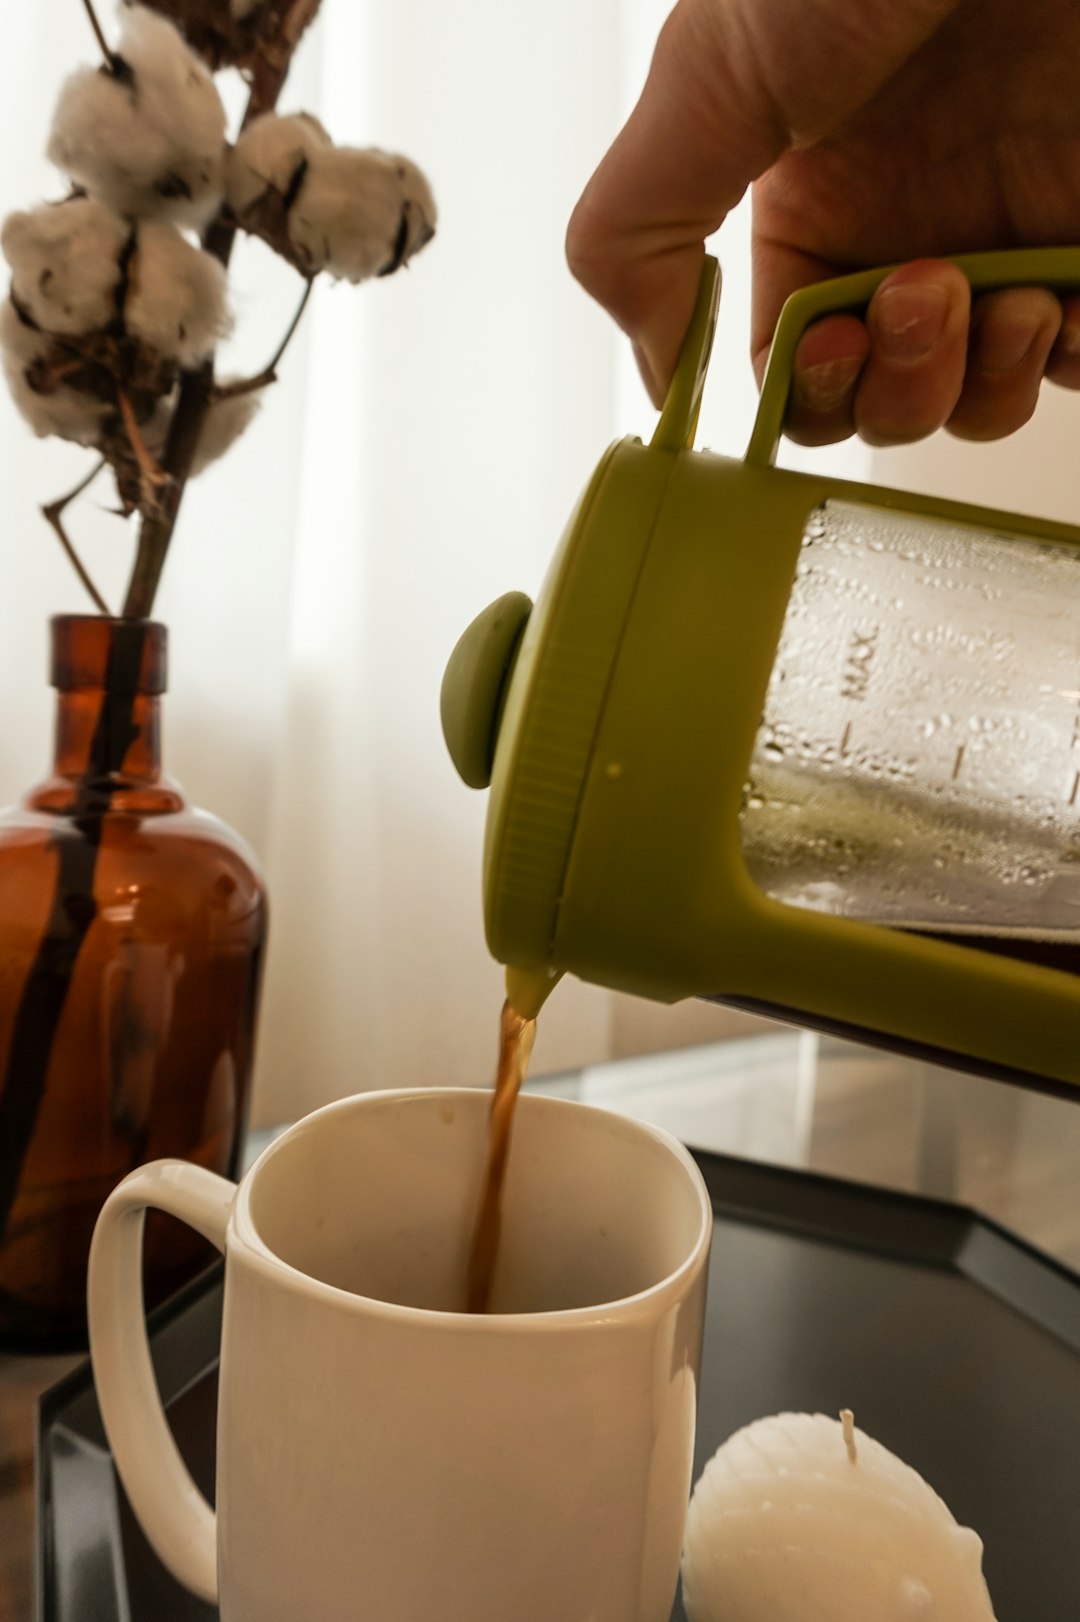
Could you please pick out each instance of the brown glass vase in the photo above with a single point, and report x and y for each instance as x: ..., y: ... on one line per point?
x: 131, y: 943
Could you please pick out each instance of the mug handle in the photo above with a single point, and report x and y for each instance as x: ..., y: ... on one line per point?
x: 171, y: 1510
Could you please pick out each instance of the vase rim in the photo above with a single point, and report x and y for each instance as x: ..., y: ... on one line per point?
x: 105, y: 619
x: 101, y: 650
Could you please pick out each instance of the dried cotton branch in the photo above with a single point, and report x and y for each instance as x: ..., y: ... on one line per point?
x: 360, y: 214
x: 147, y: 137
x: 67, y: 270
x: 103, y: 319
x: 352, y: 213
x: 58, y: 410
x: 176, y: 297
x: 255, y: 36
x: 268, y: 160
x: 65, y: 263
x: 108, y: 336
x: 80, y: 271
x: 53, y: 514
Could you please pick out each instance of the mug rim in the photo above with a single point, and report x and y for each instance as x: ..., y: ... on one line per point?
x: 243, y: 1239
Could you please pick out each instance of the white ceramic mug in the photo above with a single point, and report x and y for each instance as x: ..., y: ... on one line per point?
x: 383, y: 1454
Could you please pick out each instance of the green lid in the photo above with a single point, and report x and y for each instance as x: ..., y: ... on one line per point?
x: 555, y: 670
x: 474, y: 685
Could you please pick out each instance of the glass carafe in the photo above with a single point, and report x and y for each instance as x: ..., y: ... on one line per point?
x: 918, y: 763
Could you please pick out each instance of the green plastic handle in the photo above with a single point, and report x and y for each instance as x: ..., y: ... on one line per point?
x: 678, y: 420
x: 1055, y: 268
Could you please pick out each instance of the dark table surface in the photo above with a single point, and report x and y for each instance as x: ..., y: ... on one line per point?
x: 957, y: 1345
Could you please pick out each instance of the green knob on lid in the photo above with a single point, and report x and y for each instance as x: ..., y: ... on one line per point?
x: 475, y: 683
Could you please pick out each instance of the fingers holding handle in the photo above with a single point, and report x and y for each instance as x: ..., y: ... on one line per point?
x: 926, y: 355
x: 964, y: 341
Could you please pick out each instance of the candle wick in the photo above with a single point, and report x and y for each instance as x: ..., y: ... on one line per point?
x: 847, y: 1420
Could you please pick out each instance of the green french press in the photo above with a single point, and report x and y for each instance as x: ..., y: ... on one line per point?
x: 793, y: 743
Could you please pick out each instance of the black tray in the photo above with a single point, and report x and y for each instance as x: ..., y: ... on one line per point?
x: 956, y: 1344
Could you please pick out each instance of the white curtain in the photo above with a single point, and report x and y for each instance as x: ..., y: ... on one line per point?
x: 426, y: 443
x: 420, y: 456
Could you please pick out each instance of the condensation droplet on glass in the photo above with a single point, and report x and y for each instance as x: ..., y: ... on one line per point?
x: 965, y: 621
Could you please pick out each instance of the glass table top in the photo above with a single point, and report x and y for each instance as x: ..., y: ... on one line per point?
x: 796, y: 1099
x: 793, y: 1098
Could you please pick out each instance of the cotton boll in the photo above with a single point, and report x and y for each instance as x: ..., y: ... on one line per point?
x: 268, y: 155
x: 225, y: 422
x: 22, y: 344
x: 148, y: 140
x: 360, y: 213
x: 176, y: 296
x: 421, y: 214
x: 65, y: 263
x: 64, y: 412
x: 786, y: 1526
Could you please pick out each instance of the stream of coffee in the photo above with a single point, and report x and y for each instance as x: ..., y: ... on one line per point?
x: 516, y: 1037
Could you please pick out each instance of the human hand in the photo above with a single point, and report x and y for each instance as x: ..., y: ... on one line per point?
x: 873, y: 132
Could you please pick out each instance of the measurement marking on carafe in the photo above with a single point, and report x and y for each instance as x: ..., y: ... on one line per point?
x: 859, y: 663
x: 958, y: 762
x: 846, y: 739
x: 1075, y: 788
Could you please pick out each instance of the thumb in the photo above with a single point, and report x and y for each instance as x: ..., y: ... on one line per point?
x: 731, y: 86
x: 693, y: 144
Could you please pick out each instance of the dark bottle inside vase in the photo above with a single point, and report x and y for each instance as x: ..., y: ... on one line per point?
x: 131, y: 940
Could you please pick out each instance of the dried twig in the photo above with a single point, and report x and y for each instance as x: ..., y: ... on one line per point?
x: 197, y: 388
x: 297, y: 19
x: 152, y: 478
x: 54, y: 514
x: 268, y: 375
x: 110, y: 59
x: 272, y: 56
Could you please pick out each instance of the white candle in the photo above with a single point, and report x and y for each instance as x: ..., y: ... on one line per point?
x: 800, y: 1518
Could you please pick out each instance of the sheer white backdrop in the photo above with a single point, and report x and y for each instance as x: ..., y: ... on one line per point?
x: 428, y: 439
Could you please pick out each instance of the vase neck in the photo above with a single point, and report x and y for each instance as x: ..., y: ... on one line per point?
x: 108, y: 737
x: 109, y: 675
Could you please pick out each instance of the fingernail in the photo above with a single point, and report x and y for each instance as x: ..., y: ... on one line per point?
x: 825, y: 386
x: 1000, y: 348
x: 909, y: 319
